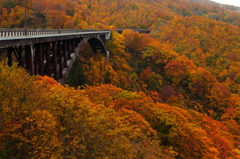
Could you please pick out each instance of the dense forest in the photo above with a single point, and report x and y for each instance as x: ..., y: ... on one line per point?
x: 100, y: 14
x: 172, y: 93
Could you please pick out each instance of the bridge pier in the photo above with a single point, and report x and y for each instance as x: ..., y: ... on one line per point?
x: 18, y: 54
x: 54, y: 60
x: 29, y: 59
x: 59, y: 61
x: 64, y: 51
x: 47, y: 59
x: 68, y: 49
x: 107, y: 55
x: 9, y: 53
x: 39, y: 59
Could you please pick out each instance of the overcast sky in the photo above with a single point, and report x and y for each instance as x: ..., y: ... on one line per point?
x: 230, y: 2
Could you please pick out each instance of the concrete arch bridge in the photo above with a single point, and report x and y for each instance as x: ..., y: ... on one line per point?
x: 50, y: 52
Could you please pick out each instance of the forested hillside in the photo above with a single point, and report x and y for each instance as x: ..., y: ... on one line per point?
x: 100, y: 14
x: 173, y: 93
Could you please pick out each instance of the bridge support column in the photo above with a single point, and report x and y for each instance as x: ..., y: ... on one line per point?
x: 68, y: 49
x: 35, y: 62
x: 9, y: 52
x: 59, y: 54
x: 18, y: 54
x: 64, y: 50
x: 19, y: 57
x: 107, y: 55
x: 54, y: 60
x: 39, y: 59
x: 47, y: 58
x: 73, y: 45
x: 78, y: 45
x: 29, y: 59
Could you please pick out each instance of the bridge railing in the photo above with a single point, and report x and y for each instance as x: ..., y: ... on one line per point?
x: 6, y: 32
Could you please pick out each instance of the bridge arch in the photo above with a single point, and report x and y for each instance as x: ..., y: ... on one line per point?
x: 97, y: 45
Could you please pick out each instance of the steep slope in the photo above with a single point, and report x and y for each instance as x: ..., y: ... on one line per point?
x: 42, y: 119
x: 173, y: 93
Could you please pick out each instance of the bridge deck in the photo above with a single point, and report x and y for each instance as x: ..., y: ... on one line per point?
x: 48, y: 35
x: 16, y: 39
x: 21, y: 31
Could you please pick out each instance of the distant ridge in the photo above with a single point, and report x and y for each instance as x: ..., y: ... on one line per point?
x: 225, y: 6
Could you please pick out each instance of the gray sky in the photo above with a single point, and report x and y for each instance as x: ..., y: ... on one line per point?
x: 230, y: 2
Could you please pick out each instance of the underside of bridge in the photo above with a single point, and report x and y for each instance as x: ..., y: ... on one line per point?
x: 53, y: 57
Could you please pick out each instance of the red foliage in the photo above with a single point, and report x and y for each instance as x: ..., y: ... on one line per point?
x: 167, y: 91
x: 144, y: 75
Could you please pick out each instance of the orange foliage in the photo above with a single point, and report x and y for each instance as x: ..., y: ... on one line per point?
x: 47, y: 81
x: 153, y: 86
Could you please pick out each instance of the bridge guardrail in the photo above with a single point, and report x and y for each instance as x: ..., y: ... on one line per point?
x: 7, y: 32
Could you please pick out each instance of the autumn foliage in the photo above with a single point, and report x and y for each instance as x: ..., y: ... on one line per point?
x: 100, y: 14
x: 173, y: 93
x: 100, y: 121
